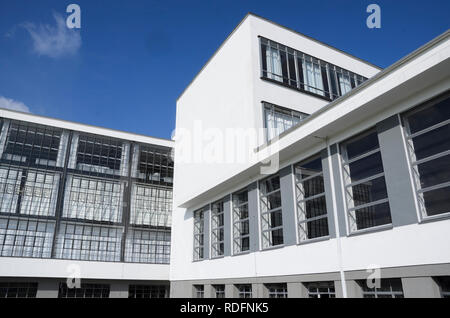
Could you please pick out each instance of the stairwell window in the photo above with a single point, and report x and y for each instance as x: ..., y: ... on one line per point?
x: 428, y: 142
x: 271, y: 215
x: 365, y: 185
x: 278, y: 119
x: 311, y: 204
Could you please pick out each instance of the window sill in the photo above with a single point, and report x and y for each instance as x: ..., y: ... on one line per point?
x: 241, y: 253
x: 270, y: 248
x: 314, y: 240
x: 295, y: 88
x: 435, y: 218
x: 374, y: 229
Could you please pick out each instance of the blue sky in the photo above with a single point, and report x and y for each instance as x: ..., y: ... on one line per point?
x: 126, y: 66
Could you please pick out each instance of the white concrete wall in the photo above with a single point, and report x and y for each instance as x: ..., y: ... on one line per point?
x: 53, y: 268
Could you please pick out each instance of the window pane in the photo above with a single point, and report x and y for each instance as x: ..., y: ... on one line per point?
x: 318, y: 228
x: 435, y: 171
x: 369, y: 191
x: 432, y: 142
x: 437, y: 201
x: 429, y: 116
x: 276, y: 219
x: 366, y: 167
x: 373, y: 216
x: 277, y: 237
x: 362, y: 145
x: 316, y: 207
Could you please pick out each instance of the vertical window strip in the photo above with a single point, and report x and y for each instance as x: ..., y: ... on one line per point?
x: 427, y: 131
x: 271, y: 212
x: 199, y: 234
x: 311, y: 202
x: 217, y: 229
x: 365, y: 185
x: 241, y: 226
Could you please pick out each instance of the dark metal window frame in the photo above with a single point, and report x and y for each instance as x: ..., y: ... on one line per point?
x: 239, y: 223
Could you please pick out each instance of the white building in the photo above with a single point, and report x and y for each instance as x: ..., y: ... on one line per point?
x: 350, y: 179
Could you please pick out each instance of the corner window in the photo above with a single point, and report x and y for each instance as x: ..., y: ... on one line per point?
x: 241, y: 226
x: 271, y: 215
x: 278, y: 119
x: 311, y: 203
x: 428, y: 143
x: 365, y: 185
x: 217, y: 229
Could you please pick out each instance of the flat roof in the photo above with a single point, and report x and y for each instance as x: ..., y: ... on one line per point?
x: 65, y: 124
x: 281, y: 26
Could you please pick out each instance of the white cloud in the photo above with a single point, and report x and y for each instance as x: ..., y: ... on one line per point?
x: 54, y: 40
x: 13, y: 104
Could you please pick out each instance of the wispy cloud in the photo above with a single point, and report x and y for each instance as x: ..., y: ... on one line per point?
x: 13, y: 104
x: 54, y: 40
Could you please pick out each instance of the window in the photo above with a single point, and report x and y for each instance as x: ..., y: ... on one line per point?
x: 99, y: 155
x: 241, y: 226
x: 85, y: 291
x: 244, y: 290
x: 321, y: 290
x: 153, y: 165
x: 18, y: 290
x: 199, y: 235
x: 428, y: 141
x: 277, y: 290
x: 365, y: 185
x: 147, y: 246
x: 219, y: 290
x: 148, y: 291
x: 21, y: 237
x: 278, y: 119
x: 88, y: 242
x: 151, y: 205
x: 304, y: 72
x: 93, y: 199
x: 389, y: 288
x: 217, y: 229
x: 444, y: 285
x: 311, y: 203
x: 199, y: 291
x: 271, y: 216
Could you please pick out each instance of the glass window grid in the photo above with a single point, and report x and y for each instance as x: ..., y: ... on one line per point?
x: 279, y: 119
x: 390, y: 288
x: 199, y: 235
x: 151, y: 206
x: 26, y: 237
x: 277, y: 290
x: 244, y: 290
x: 415, y: 163
x: 269, y: 228
x: 217, y: 229
x: 241, y: 222
x: 321, y: 290
x: 352, y: 209
x: 292, y: 71
x: 303, y: 177
x: 148, y: 291
x: 88, y: 242
x: 30, y: 178
x: 86, y: 290
x: 18, y: 290
x: 219, y: 291
x: 152, y: 165
x: 199, y: 291
x: 147, y: 246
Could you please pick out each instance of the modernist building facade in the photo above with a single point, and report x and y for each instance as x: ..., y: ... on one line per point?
x: 349, y: 181
x: 299, y: 171
x: 82, y: 202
